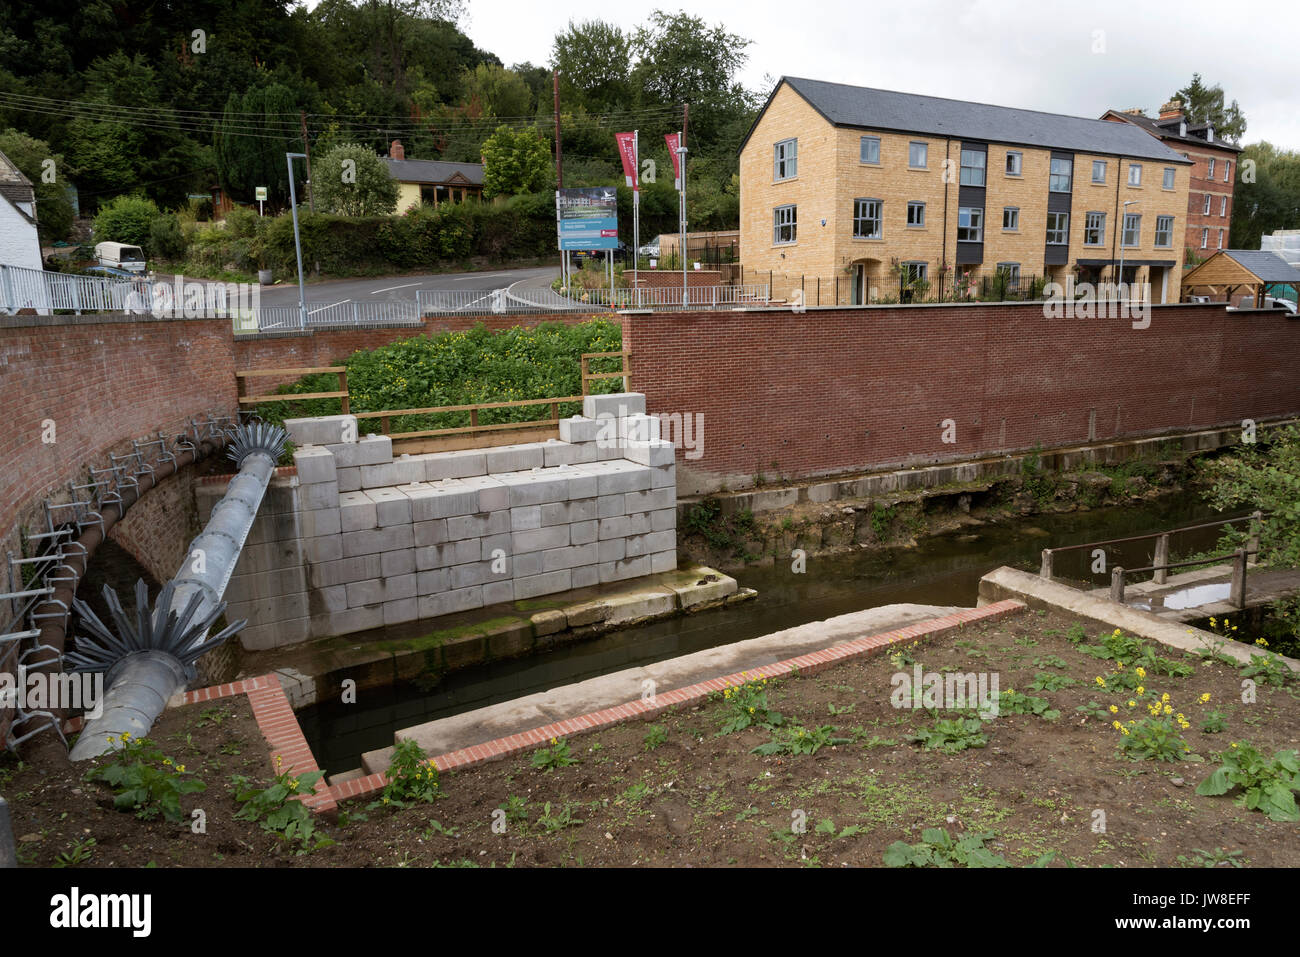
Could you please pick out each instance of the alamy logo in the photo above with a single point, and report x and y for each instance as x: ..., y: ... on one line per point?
x: 952, y: 690
x: 42, y: 691
x: 74, y: 910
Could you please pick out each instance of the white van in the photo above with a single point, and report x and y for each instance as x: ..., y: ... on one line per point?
x: 120, y: 256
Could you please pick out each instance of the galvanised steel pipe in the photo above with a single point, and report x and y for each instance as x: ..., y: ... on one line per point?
x: 54, y: 629
x: 150, y: 660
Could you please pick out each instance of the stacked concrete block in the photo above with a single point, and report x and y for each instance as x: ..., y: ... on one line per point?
x: 361, y: 539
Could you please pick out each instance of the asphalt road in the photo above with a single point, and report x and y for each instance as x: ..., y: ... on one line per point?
x: 392, y: 288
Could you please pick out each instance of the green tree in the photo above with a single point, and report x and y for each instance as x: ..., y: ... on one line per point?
x: 1266, y: 477
x: 352, y: 180
x: 51, y: 180
x: 494, y: 91
x: 594, y: 59
x: 514, y: 162
x: 1267, y: 194
x: 257, y: 128
x: 1205, y: 104
x: 126, y: 219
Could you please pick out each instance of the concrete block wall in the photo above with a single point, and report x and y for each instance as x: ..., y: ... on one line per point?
x: 360, y: 539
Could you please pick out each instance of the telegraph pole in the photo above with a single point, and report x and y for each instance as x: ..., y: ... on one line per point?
x: 559, y: 162
x: 686, y: 115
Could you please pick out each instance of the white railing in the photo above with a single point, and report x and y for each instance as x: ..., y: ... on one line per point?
x: 46, y: 292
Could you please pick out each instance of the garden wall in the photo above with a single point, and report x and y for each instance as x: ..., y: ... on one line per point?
x: 786, y: 395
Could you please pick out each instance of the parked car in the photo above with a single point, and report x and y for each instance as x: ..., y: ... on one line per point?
x: 650, y: 249
x: 1286, y: 305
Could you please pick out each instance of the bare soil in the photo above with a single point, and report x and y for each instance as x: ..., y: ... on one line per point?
x: 704, y: 799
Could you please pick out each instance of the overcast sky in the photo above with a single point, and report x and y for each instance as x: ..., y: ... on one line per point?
x: 1078, y: 58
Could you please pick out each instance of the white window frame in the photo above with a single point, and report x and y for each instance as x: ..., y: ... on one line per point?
x: 792, y: 225
x: 1099, y: 166
x: 1205, y: 238
x: 1012, y: 271
x: 1135, y: 168
x: 1220, y: 238
x: 925, y: 154
x: 785, y: 160
x: 862, y: 144
x: 1206, y: 210
x: 1227, y: 171
x: 1019, y: 164
x: 981, y: 169
x: 1063, y: 230
x: 918, y: 205
x: 1170, y: 174
x: 1053, y: 177
x: 861, y: 204
x: 1015, y: 219
x: 1100, y: 228
x: 915, y: 271
x: 1210, y: 175
x: 974, y: 222
x: 1136, y: 220
x: 1223, y: 206
x: 1168, y: 231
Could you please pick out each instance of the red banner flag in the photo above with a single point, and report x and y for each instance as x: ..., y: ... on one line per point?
x: 627, y: 151
x: 674, y: 140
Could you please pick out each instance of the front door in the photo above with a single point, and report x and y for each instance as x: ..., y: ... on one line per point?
x: 858, y: 290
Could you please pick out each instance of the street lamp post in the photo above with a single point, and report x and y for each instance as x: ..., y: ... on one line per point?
x: 1119, y: 286
x: 297, y: 240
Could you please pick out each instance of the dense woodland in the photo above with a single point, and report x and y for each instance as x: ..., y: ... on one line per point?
x: 168, y: 99
x: 171, y: 98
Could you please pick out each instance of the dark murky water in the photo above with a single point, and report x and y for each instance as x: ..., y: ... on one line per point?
x: 944, y: 570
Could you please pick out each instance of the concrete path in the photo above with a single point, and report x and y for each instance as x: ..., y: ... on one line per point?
x: 1202, y: 592
x: 584, y: 697
x: 1039, y: 592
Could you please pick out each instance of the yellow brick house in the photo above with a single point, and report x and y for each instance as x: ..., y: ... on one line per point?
x: 855, y: 195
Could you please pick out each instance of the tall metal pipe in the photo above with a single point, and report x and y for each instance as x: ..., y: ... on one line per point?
x: 152, y: 658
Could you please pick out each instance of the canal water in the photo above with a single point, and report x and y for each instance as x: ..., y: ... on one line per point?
x: 942, y: 570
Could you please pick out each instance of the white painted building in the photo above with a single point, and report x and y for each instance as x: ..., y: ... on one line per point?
x: 19, y: 245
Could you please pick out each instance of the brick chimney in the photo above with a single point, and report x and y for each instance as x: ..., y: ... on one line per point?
x: 1173, y: 110
x: 396, y: 150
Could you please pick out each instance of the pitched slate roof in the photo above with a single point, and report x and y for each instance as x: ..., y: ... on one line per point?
x: 1169, y: 130
x: 1267, y: 266
x: 866, y: 108
x: 14, y: 186
x: 433, y: 171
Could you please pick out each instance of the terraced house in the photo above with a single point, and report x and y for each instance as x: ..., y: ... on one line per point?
x: 854, y: 195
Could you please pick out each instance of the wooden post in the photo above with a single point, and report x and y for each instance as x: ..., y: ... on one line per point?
x: 1045, y: 570
x: 1252, y: 544
x: 473, y: 416
x: 385, y: 423
x: 584, y: 375
x: 1161, y: 559
x: 1238, y: 593
x: 627, y: 371
x: 555, y: 412
x: 1117, y: 585
x: 343, y: 387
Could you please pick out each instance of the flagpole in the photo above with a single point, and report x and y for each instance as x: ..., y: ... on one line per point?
x: 636, y: 211
x: 681, y: 217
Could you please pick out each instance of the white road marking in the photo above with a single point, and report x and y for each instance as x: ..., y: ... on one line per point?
x: 330, y: 306
x: 481, y: 275
x: 375, y: 292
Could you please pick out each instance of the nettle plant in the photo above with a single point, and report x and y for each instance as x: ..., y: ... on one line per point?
x: 145, y: 780
x: 1266, y: 785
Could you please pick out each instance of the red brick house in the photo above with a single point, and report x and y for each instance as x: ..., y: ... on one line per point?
x: 1209, y: 200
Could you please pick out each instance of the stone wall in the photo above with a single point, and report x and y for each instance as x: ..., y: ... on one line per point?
x: 356, y: 539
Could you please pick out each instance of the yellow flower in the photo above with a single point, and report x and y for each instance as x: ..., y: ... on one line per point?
x: 1262, y: 642
x: 1132, y: 704
x: 1141, y: 672
x: 180, y: 768
x: 1141, y: 690
x: 1117, y: 726
x: 1234, y: 744
x: 1114, y: 710
x: 1205, y: 697
x: 1101, y: 681
x: 1168, y: 710
x: 553, y: 740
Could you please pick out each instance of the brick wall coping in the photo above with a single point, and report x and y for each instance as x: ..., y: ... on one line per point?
x: 99, y: 318
x: 280, y: 726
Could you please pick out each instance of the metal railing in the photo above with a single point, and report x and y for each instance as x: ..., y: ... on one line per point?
x: 346, y: 312
x: 46, y: 292
x: 673, y: 297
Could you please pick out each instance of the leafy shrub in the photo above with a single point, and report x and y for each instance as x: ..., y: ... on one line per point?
x: 938, y: 849
x: 556, y: 756
x: 278, y: 811
x: 951, y: 735
x: 411, y: 778
x: 1013, y: 702
x: 745, y: 705
x: 167, y: 239
x: 801, y: 741
x: 126, y: 219
x: 1267, y: 786
x: 144, y: 780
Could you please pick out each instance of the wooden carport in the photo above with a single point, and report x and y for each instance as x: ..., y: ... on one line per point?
x: 1250, y: 270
